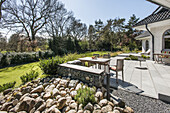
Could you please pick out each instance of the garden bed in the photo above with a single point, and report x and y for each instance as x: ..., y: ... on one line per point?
x: 58, y: 95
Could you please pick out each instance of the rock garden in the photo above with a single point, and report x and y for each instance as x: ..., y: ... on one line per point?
x: 60, y: 95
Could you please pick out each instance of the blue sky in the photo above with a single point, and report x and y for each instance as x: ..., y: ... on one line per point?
x: 90, y: 10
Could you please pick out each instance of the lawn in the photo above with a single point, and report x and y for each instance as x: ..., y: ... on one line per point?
x: 10, y: 74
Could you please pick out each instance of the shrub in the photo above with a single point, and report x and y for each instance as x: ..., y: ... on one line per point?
x: 50, y: 66
x: 7, y: 85
x: 4, y: 61
x: 85, y: 95
x: 127, y: 58
x: 29, y: 76
x: 133, y: 57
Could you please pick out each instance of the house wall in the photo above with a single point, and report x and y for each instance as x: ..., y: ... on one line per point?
x: 158, y: 37
x: 143, y: 46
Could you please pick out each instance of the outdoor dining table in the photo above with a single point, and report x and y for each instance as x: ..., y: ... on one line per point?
x: 158, y: 56
x: 99, y: 61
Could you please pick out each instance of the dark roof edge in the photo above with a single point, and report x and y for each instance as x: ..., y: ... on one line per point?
x: 157, y: 4
x: 149, y: 22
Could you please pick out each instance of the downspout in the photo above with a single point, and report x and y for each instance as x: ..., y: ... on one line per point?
x: 146, y: 25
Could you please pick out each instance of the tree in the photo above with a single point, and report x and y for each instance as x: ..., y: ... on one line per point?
x: 3, y: 42
x: 91, y: 33
x: 29, y: 15
x: 1, y: 2
x: 131, y: 33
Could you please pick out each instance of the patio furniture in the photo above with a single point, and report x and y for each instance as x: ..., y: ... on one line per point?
x: 99, y: 61
x: 145, y: 53
x: 159, y: 57
x: 118, y: 67
x: 106, y: 56
x: 140, y: 59
x: 96, y: 55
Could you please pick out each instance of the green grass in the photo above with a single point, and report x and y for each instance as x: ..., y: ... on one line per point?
x: 10, y: 74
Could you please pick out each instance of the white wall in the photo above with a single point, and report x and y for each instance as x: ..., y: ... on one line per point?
x: 143, y: 46
x: 158, y: 36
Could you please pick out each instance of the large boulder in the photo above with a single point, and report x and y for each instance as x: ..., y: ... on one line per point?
x: 7, y: 91
x: 18, y: 95
x: 49, y: 103
x: 63, y: 93
x: 42, y: 107
x: 78, y: 86
x: 26, y: 105
x: 56, y: 81
x: 73, y: 83
x: 38, y: 89
x: 55, y: 92
x: 106, y: 109
x: 53, y: 109
x: 47, y: 95
x: 61, y: 102
x: 89, y: 107
x: 73, y: 93
x: 63, y: 83
x: 38, y: 102
x: 72, y: 111
x: 97, y: 107
x: 73, y: 106
x: 25, y: 90
x: 99, y: 95
x: 50, y: 88
x: 103, y: 102
x: 5, y: 106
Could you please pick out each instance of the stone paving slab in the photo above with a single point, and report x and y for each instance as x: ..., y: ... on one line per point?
x: 152, y: 79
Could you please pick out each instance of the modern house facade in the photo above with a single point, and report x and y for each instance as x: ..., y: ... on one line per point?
x: 156, y: 37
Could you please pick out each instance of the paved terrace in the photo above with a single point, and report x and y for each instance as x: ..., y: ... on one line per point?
x: 150, y: 79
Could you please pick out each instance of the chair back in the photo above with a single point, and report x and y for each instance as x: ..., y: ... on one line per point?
x: 120, y: 64
x: 97, y: 55
x: 106, y: 55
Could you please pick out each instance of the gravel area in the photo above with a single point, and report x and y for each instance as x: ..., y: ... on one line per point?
x: 142, y: 104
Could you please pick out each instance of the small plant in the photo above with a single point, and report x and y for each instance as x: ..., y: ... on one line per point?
x: 7, y: 86
x: 29, y: 76
x: 50, y: 66
x: 133, y: 57
x: 127, y: 58
x: 85, y: 95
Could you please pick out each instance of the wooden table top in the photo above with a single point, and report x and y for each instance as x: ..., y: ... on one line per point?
x: 98, y: 60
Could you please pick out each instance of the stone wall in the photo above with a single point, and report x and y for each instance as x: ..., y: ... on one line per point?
x: 90, y: 78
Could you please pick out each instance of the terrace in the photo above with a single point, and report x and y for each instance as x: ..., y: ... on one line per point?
x: 151, y: 79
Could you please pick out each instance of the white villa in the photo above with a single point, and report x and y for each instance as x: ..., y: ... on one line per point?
x: 156, y: 37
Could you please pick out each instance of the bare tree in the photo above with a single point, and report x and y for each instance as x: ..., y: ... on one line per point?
x: 28, y: 15
x: 1, y: 2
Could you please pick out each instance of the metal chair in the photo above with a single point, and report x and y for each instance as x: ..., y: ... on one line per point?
x: 118, y: 67
x: 106, y: 55
x: 96, y: 55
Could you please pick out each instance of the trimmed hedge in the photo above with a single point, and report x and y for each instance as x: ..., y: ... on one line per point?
x: 14, y: 58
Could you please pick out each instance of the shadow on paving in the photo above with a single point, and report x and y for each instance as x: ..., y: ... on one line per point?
x: 122, y: 84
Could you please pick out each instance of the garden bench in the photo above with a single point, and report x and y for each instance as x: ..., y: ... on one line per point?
x: 85, y: 74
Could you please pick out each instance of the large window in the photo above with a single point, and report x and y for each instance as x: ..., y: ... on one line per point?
x: 166, y: 39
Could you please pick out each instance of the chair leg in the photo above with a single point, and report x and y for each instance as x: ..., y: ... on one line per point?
x: 122, y: 76
x: 116, y: 76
